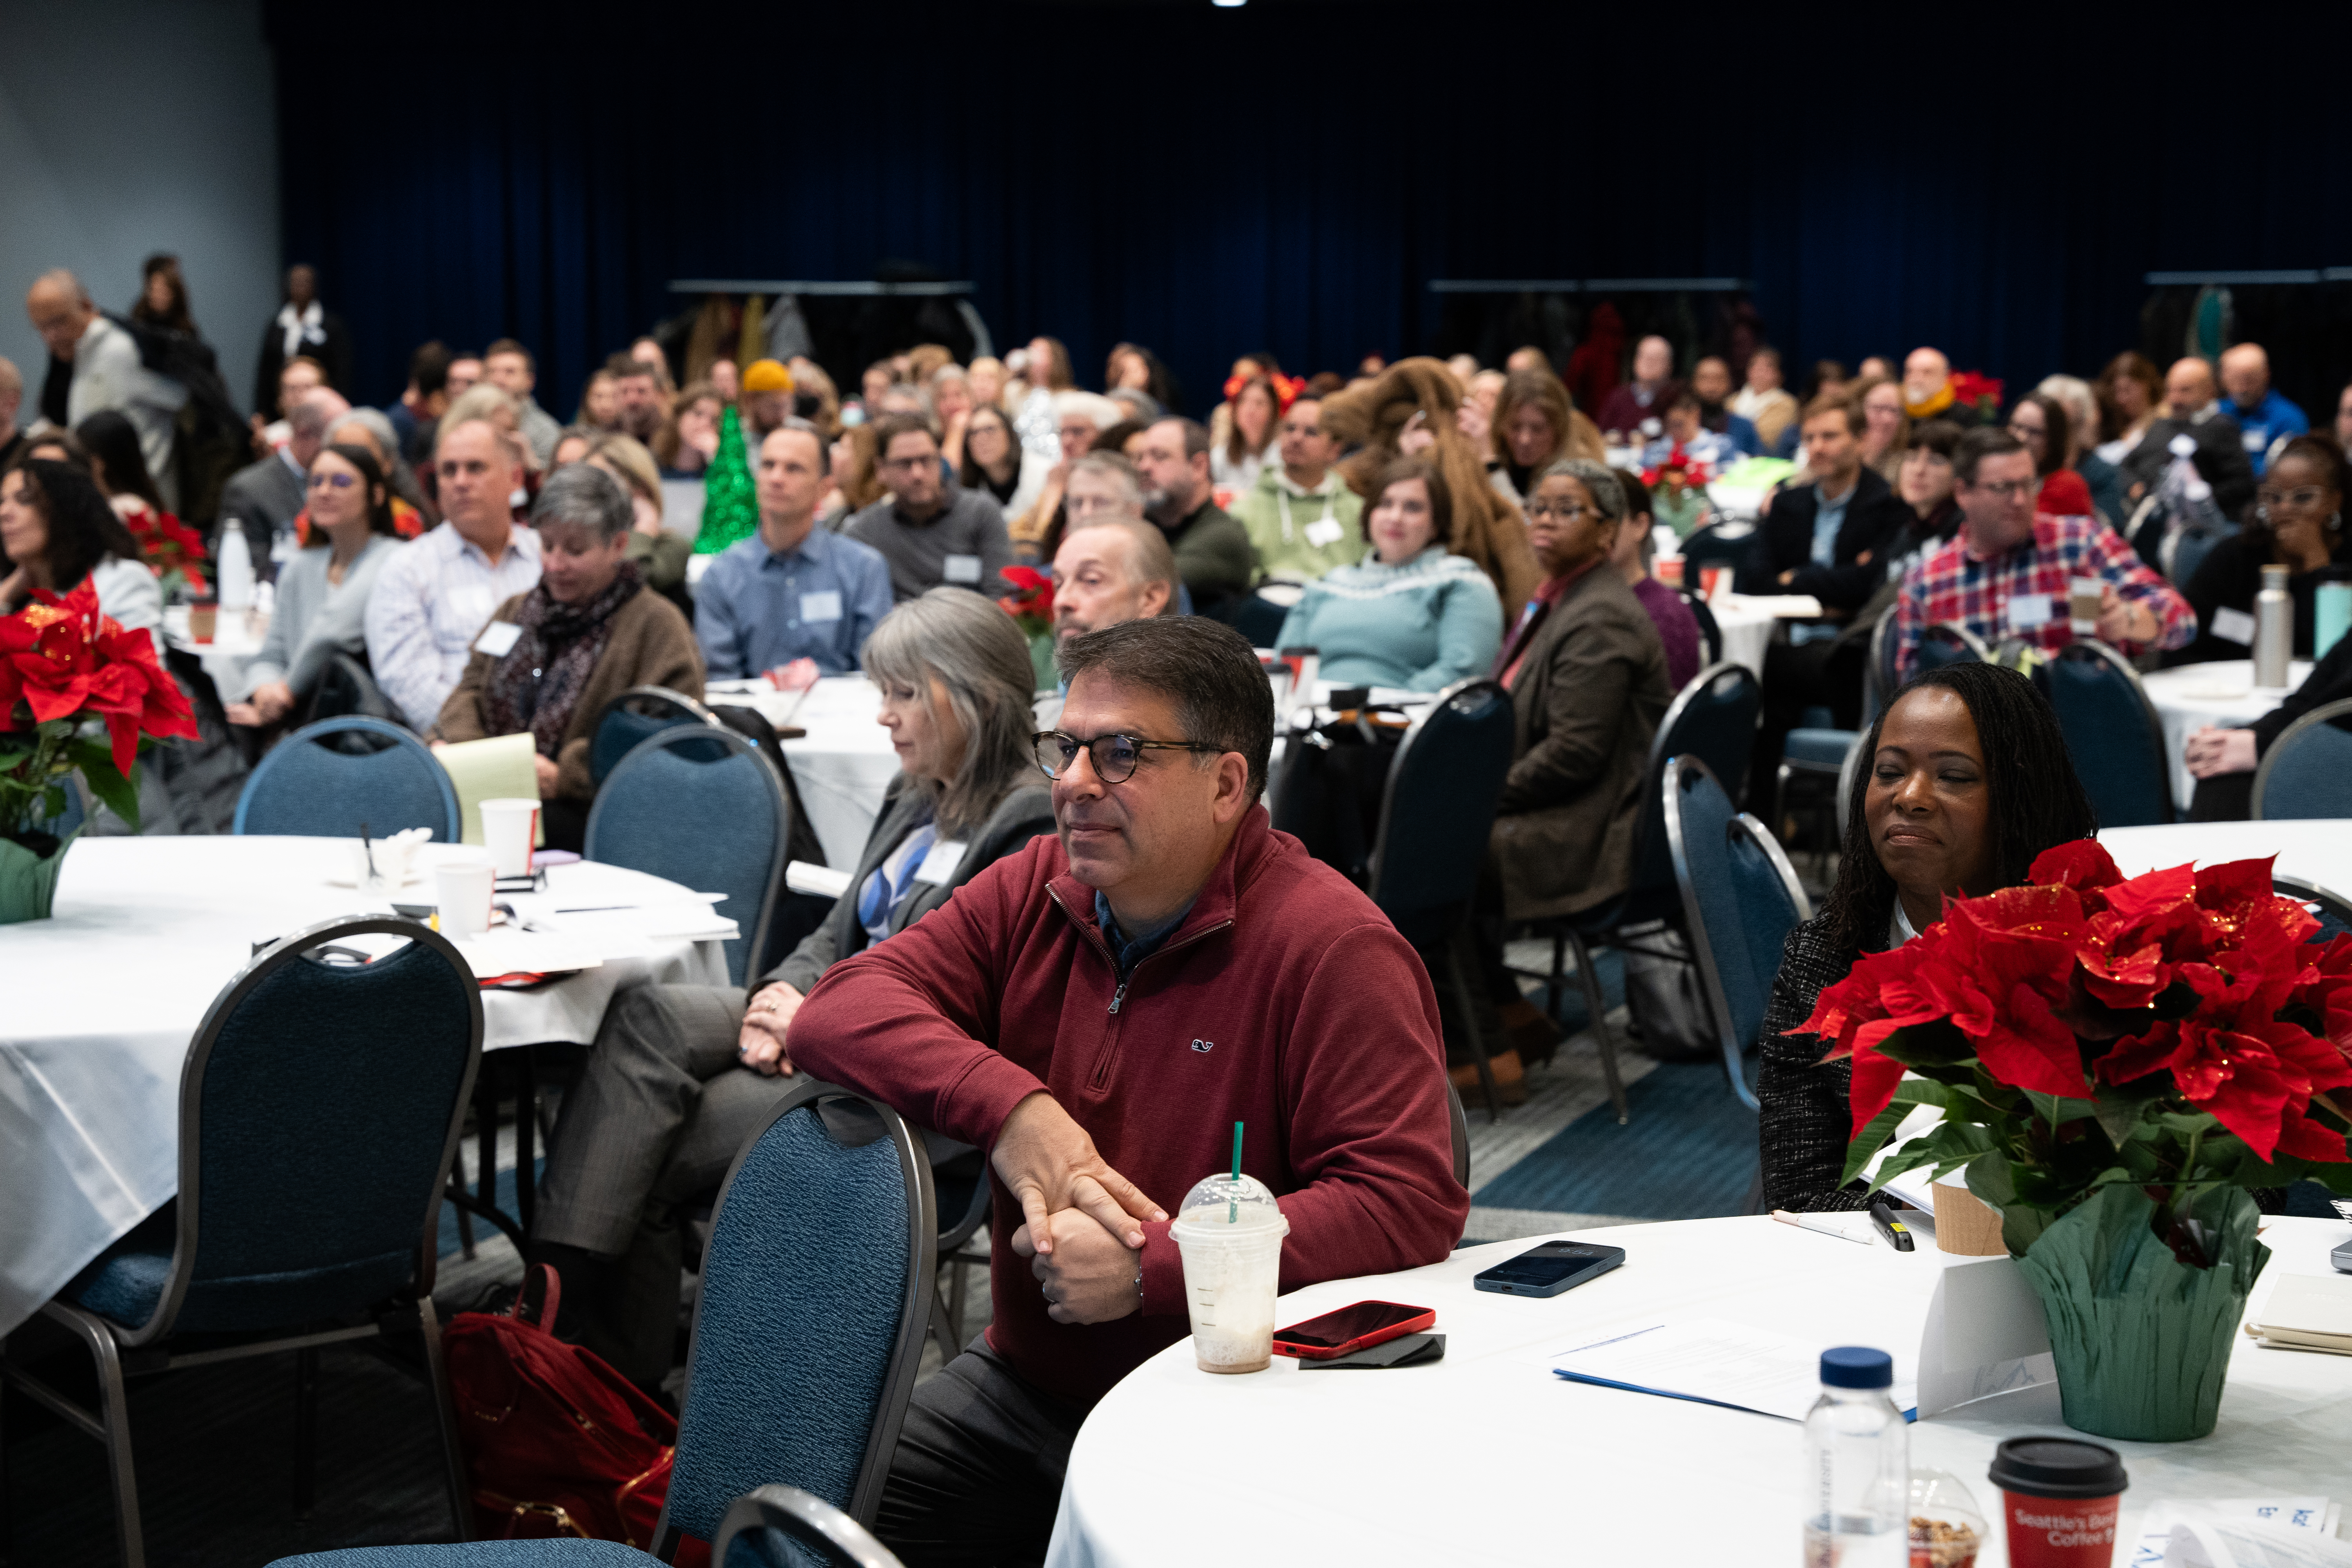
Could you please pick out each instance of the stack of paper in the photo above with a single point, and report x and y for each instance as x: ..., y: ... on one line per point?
x: 502, y: 951
x: 1713, y: 1361
x: 2242, y: 1533
x: 2307, y: 1312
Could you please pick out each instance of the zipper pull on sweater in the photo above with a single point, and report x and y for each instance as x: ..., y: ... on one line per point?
x: 1119, y: 995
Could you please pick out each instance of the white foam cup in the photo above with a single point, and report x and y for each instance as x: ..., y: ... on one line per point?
x: 462, y: 890
x: 508, y: 828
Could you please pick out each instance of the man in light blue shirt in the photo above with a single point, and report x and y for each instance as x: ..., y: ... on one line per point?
x: 2264, y: 418
x: 793, y: 590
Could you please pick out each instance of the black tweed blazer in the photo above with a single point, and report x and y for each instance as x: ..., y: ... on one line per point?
x: 1808, y: 1111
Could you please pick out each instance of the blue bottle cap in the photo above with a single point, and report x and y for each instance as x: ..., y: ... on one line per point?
x: 1857, y: 1366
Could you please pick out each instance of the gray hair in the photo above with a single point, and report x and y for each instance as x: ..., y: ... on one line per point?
x: 312, y: 415
x: 1598, y: 479
x: 1121, y: 473
x: 587, y: 497
x: 1136, y: 404
x: 374, y: 421
x: 973, y: 649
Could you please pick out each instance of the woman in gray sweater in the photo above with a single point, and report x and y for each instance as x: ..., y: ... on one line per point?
x: 322, y: 593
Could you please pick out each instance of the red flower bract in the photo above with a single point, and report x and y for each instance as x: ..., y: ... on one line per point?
x: 63, y: 659
x: 2255, y: 1021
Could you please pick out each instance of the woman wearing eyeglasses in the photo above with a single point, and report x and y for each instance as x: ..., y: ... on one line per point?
x: 681, y: 1074
x: 322, y: 593
x: 2298, y: 522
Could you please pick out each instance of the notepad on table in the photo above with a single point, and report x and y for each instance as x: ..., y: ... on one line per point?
x: 1711, y: 1361
x: 2307, y: 1312
x: 503, y: 767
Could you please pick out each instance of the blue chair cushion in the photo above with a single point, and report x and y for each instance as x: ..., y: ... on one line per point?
x: 1817, y: 717
x: 1820, y: 748
x: 570, y: 1553
x: 127, y: 1279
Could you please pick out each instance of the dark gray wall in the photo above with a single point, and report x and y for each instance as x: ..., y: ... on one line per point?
x: 133, y: 126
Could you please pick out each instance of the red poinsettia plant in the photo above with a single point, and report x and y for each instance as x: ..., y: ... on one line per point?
x: 2176, y: 1032
x: 77, y: 692
x: 171, y: 548
x: 1975, y: 392
x: 1031, y: 603
x: 1679, y: 472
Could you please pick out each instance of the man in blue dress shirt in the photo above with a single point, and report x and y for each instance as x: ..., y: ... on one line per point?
x: 2264, y: 418
x: 793, y: 590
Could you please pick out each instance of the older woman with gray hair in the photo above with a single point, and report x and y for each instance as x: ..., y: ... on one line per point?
x: 587, y: 633
x: 681, y: 1074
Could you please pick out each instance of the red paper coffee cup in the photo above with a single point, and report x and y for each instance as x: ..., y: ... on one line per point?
x: 2059, y: 1498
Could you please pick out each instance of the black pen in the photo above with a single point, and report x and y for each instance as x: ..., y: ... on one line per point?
x: 1897, y: 1234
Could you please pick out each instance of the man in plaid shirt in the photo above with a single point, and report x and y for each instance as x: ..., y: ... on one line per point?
x: 2005, y: 574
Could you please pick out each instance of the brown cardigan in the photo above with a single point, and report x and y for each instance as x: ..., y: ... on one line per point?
x: 651, y: 644
x: 1587, y: 700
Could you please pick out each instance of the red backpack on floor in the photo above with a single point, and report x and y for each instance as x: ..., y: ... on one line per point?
x: 556, y: 1442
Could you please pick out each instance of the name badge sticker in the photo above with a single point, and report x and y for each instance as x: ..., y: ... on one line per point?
x: 821, y: 606
x: 2233, y: 625
x: 2027, y: 611
x: 1324, y: 532
x: 940, y: 863
x: 497, y: 638
x: 962, y: 569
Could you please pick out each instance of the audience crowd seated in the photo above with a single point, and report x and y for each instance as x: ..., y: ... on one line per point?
x: 57, y: 529
x: 1301, y: 517
x: 793, y: 590
x: 584, y: 633
x: 2298, y: 522
x: 322, y: 592
x: 1966, y: 780
x: 1632, y: 552
x: 927, y: 530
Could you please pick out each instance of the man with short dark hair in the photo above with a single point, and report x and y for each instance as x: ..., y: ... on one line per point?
x: 508, y: 366
x: 1710, y: 383
x: 636, y: 390
x: 793, y: 590
x: 423, y: 403
x: 465, y: 374
x: 930, y: 532
x: 1097, y: 1011
x: 2006, y: 572
x: 1212, y: 551
x: 1301, y: 517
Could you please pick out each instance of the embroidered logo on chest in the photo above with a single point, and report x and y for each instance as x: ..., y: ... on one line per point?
x: 1204, y: 1047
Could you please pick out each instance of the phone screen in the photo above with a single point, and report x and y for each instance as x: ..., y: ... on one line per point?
x: 1544, y: 1265
x: 1347, y: 1324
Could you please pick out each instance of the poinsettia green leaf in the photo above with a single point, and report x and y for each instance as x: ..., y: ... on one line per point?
x: 1933, y: 1043
x: 119, y: 795
x: 1872, y: 1139
x: 2058, y: 1110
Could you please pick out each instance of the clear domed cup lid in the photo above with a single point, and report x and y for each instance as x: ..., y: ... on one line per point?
x: 1947, y: 1527
x: 1222, y: 1199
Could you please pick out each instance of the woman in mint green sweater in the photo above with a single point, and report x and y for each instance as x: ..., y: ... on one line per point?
x: 1412, y: 616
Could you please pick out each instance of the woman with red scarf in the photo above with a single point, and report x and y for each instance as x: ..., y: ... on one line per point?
x: 587, y: 633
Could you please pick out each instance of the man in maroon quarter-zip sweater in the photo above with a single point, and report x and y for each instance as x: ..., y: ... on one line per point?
x: 1097, y: 1011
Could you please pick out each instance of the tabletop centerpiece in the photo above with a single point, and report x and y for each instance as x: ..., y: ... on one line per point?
x: 76, y: 692
x: 2119, y: 1064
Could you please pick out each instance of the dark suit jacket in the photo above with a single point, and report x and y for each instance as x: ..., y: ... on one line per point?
x: 1020, y: 816
x: 1873, y: 519
x: 1590, y: 691
x: 334, y: 357
x: 260, y: 498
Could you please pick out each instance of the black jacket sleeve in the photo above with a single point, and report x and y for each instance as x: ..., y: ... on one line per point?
x: 1872, y: 525
x: 2329, y: 680
x: 1808, y: 1110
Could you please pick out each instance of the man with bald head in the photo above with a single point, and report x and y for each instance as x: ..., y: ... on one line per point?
x: 12, y: 399
x: 2265, y: 420
x: 1644, y: 397
x: 2192, y: 417
x: 94, y: 365
x: 1108, y: 571
x: 1926, y: 384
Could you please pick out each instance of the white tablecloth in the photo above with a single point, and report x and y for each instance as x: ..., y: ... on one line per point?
x: 1747, y: 630
x: 237, y: 643
x: 841, y: 766
x: 2317, y: 852
x: 1486, y: 1458
x: 104, y: 997
x: 2191, y: 696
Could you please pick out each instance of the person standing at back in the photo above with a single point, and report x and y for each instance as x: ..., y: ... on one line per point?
x: 94, y: 365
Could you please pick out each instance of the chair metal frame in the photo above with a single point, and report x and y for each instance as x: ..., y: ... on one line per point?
x: 450, y: 830
x: 755, y: 940
x: 948, y: 1333
x: 1710, y: 630
x: 1718, y: 1001
x: 914, y: 1309
x: 2326, y: 714
x: 2102, y: 653
x: 695, y: 709
x: 2335, y: 905
x: 108, y: 1341
x: 808, y: 1520
x: 1967, y: 638
x: 1493, y: 691
x: 1569, y: 932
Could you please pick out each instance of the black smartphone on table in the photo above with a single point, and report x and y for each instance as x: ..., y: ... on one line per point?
x: 1549, y: 1269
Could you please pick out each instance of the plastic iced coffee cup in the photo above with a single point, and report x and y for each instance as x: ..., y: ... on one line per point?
x: 2058, y: 1500
x: 1230, y: 1234
x: 508, y: 828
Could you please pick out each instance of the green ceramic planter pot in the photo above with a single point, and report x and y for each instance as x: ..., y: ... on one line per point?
x: 29, y: 882
x: 2142, y: 1339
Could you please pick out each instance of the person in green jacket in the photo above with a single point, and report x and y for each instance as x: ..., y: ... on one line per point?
x: 1412, y: 616
x: 1213, y: 552
x: 1301, y: 517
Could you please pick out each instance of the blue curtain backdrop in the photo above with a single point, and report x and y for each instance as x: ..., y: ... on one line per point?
x: 1290, y: 175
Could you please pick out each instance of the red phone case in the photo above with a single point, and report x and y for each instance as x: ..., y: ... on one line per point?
x: 1421, y: 1321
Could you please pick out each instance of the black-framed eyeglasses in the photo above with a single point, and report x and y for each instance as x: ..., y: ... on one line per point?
x: 1116, y: 757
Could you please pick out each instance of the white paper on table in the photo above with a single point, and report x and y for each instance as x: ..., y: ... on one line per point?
x: 1779, y: 606
x: 506, y: 950
x: 691, y: 918
x: 1713, y: 1361
x: 2307, y: 1513
x: 2280, y: 1532
x: 1985, y: 1335
x: 2307, y: 1311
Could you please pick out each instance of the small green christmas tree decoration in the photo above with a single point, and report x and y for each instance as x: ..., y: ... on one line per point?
x: 730, y: 511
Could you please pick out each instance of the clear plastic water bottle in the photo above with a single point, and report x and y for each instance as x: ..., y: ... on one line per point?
x: 1857, y: 1466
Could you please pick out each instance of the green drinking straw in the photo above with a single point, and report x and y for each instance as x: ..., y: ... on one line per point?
x: 1232, y: 1204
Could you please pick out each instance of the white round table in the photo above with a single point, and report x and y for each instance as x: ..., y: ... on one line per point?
x: 1486, y: 1458
x: 107, y: 995
x: 237, y: 642
x: 1746, y: 627
x: 2191, y: 696
x: 841, y: 766
x: 2317, y: 852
